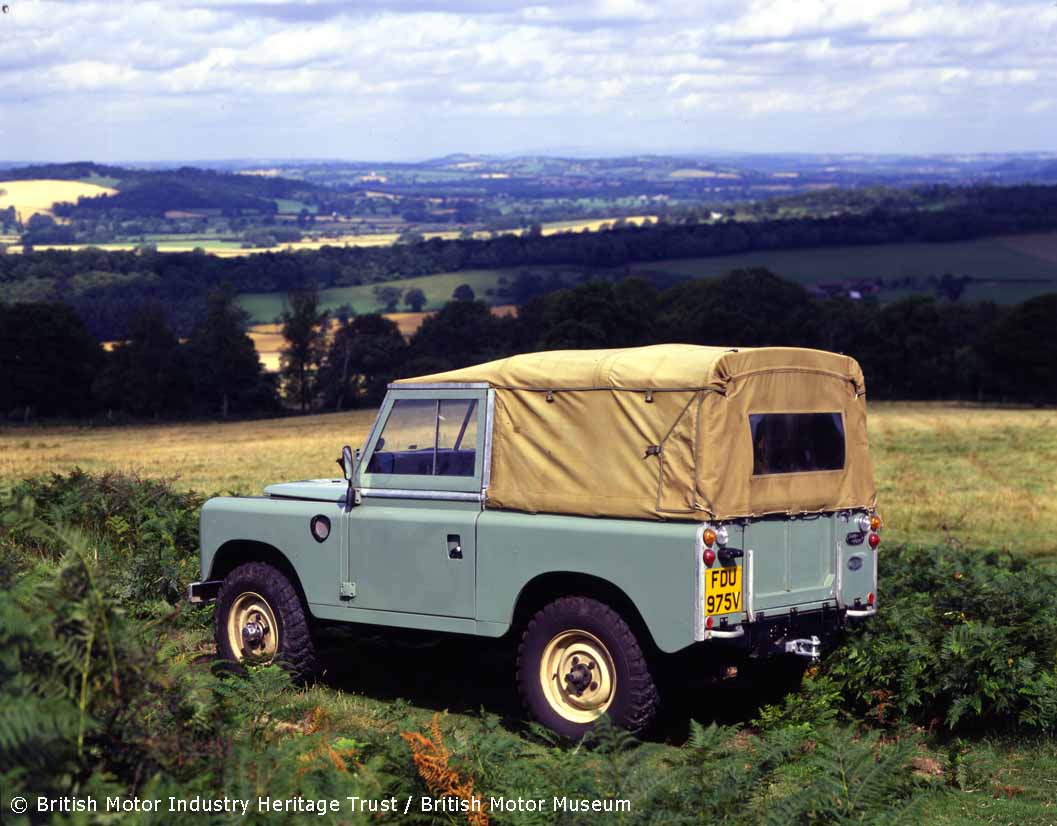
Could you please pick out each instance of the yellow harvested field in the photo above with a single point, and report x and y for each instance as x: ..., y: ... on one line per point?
x: 965, y: 474
x: 38, y: 196
x: 377, y: 239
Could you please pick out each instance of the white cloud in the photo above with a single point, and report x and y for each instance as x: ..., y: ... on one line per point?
x: 523, y: 73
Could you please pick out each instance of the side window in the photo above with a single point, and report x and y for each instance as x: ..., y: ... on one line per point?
x: 796, y: 442
x: 457, y: 437
x: 428, y: 437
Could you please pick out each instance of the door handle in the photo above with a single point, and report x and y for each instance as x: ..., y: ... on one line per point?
x: 454, y: 546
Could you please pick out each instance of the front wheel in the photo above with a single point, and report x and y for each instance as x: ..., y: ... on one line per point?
x: 578, y: 660
x: 259, y: 617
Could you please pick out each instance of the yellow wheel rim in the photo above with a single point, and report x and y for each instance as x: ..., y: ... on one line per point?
x: 252, y: 629
x: 578, y: 676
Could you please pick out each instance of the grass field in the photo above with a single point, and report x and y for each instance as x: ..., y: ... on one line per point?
x: 1002, y: 262
x: 266, y: 307
x: 1014, y: 268
x: 37, y: 196
x: 945, y: 473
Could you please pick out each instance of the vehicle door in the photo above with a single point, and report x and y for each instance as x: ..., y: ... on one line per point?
x: 412, y: 540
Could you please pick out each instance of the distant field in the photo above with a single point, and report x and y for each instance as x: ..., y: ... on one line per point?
x: 38, y: 196
x: 999, y: 260
x: 265, y: 307
x: 228, y: 249
x: 974, y: 475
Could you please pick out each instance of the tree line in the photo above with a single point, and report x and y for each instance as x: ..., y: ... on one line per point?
x: 915, y: 348
x: 107, y: 288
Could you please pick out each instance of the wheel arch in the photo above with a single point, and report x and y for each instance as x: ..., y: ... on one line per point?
x: 235, y: 552
x: 549, y: 586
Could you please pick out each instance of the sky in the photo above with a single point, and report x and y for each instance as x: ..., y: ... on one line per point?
x: 370, y: 80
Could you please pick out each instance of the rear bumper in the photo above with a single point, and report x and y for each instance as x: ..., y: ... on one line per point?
x: 199, y: 592
x: 789, y: 632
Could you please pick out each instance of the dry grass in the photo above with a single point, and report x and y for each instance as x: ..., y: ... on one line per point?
x: 37, y: 196
x: 981, y: 476
x: 238, y: 456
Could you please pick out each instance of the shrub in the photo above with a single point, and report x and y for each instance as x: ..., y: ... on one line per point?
x: 963, y: 638
x: 144, y: 531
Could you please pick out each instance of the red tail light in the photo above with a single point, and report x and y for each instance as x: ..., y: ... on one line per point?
x: 708, y: 623
x: 874, y: 541
x: 870, y: 600
x: 709, y: 556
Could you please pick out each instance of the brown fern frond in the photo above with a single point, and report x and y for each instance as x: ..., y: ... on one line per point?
x: 431, y: 758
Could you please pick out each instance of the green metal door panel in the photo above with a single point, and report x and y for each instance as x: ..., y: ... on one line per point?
x: 402, y: 556
x: 794, y: 560
x: 653, y: 563
x: 283, y: 524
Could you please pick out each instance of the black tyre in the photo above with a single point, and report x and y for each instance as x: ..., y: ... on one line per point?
x: 578, y: 660
x: 259, y: 616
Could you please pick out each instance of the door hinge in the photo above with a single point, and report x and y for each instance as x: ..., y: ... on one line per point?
x: 347, y: 590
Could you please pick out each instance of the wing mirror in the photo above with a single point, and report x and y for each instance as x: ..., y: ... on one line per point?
x: 348, y: 462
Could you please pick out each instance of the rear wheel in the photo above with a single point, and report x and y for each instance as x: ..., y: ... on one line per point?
x: 259, y: 617
x: 578, y: 660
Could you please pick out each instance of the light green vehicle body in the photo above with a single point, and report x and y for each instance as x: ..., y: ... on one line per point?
x: 423, y: 552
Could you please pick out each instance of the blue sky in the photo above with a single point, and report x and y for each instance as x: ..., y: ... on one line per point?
x: 367, y: 79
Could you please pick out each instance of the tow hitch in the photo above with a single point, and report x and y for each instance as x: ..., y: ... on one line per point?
x: 811, y: 648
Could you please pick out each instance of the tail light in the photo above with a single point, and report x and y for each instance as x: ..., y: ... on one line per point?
x: 709, y: 536
x: 708, y: 623
x: 874, y: 541
x: 709, y: 556
x: 871, y: 599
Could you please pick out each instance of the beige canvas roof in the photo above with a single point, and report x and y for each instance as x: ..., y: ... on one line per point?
x: 663, y: 431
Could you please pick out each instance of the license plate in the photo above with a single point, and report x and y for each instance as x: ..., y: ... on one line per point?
x: 722, y: 590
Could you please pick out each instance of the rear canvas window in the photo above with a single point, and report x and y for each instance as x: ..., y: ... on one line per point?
x: 796, y: 442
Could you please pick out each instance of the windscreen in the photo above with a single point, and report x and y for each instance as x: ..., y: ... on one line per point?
x: 796, y: 442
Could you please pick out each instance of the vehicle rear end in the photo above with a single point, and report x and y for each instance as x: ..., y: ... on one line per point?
x: 786, y: 584
x: 808, y: 563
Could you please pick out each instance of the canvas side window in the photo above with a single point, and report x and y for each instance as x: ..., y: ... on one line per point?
x: 428, y: 437
x: 796, y: 442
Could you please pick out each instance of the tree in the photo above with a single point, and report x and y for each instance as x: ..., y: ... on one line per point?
x: 47, y: 361
x: 388, y: 297
x: 146, y: 375
x: 227, y: 375
x: 415, y: 299
x: 464, y: 292
x: 462, y: 333
x: 1022, y: 351
x: 365, y: 354
x: 305, y: 332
